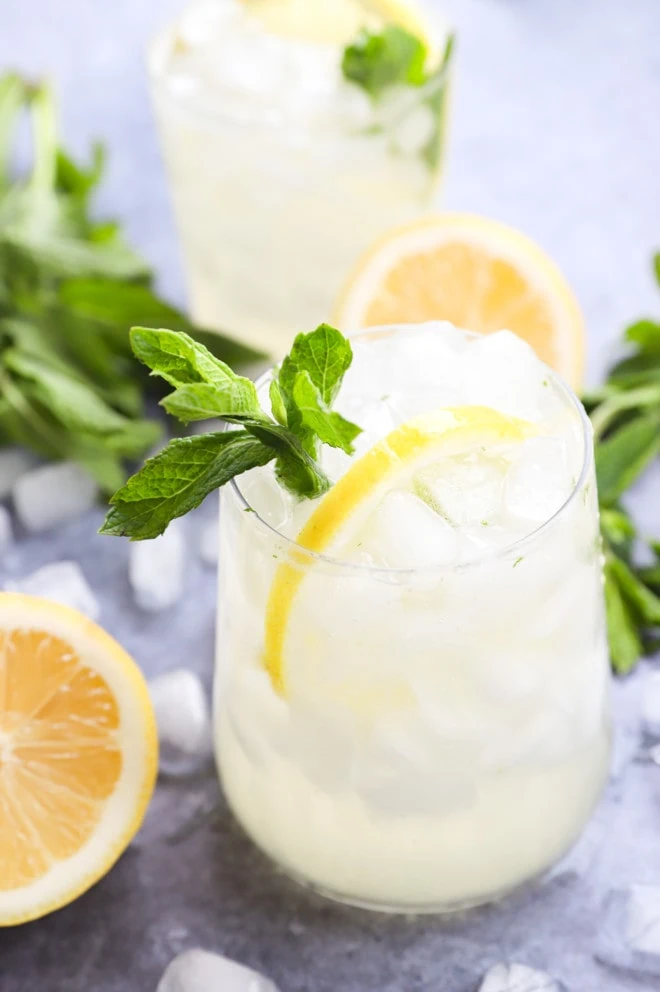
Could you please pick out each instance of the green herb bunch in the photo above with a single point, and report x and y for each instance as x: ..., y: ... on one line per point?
x: 381, y: 62
x: 70, y: 287
x: 625, y: 413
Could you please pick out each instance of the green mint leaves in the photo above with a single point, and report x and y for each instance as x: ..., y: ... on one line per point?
x: 625, y: 414
x: 395, y: 58
x: 70, y: 288
x: 204, y: 388
x: 307, y: 385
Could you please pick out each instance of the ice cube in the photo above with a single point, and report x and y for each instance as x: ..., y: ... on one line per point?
x: 466, y: 490
x: 651, y: 705
x: 182, y: 717
x: 52, y: 495
x: 6, y: 531
x: 629, y: 931
x: 156, y: 569
x: 503, y: 372
x: 412, y: 134
x: 209, y: 546
x: 643, y: 919
x: 202, y: 971
x: 62, y: 582
x: 14, y: 462
x: 403, y: 532
x: 518, y: 978
x: 538, y: 482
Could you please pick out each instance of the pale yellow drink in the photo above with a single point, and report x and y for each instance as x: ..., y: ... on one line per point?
x: 282, y: 173
x: 433, y: 728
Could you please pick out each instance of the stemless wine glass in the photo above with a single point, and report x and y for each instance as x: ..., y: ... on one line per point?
x: 440, y: 734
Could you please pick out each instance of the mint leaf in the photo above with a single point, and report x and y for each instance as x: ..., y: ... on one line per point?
x: 178, y: 479
x: 378, y: 61
x: 315, y: 414
x: 624, y: 641
x: 118, y: 306
x: 645, y: 334
x: 618, y: 529
x: 75, y: 403
x: 234, y: 400
x: 623, y: 456
x: 296, y: 469
x: 177, y: 358
x: 639, y: 598
x: 277, y: 403
x: 325, y: 354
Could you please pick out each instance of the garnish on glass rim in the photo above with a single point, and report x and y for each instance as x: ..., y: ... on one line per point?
x: 381, y: 62
x: 188, y: 469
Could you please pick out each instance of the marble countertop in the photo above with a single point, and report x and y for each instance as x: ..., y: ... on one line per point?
x: 555, y: 131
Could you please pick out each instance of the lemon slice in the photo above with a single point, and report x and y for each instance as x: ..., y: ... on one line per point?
x: 387, y: 465
x: 475, y: 273
x: 336, y: 21
x: 78, y: 755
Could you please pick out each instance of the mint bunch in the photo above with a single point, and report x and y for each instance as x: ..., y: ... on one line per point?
x: 380, y: 62
x: 188, y: 469
x: 70, y: 287
x: 625, y: 413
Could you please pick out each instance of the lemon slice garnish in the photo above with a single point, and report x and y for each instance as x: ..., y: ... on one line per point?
x: 389, y: 464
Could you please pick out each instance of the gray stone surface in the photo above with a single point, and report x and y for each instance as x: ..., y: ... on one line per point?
x: 555, y: 130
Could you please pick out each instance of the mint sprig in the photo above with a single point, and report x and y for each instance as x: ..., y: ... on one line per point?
x: 188, y: 469
x: 394, y: 57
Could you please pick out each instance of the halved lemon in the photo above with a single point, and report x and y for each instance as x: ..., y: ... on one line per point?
x: 78, y: 755
x: 476, y: 273
x: 385, y: 466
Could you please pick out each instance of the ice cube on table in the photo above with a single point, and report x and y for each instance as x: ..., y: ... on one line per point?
x: 52, y: 495
x: 518, y: 978
x: 182, y: 717
x: 538, y: 483
x: 629, y: 930
x: 14, y: 462
x: 6, y: 530
x: 403, y: 532
x: 643, y: 919
x: 202, y: 971
x: 209, y: 547
x: 62, y: 582
x: 156, y: 569
x: 651, y: 705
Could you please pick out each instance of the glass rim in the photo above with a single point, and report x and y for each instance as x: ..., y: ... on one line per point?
x: 493, y: 554
x: 222, y: 112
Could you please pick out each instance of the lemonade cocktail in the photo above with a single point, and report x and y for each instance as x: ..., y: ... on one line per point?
x: 282, y: 171
x: 412, y: 681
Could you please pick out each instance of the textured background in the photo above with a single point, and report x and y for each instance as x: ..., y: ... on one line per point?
x: 555, y: 130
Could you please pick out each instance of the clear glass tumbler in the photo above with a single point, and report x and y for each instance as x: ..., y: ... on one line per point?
x: 274, y: 207
x: 446, y: 735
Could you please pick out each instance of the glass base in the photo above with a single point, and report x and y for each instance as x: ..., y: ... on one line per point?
x: 400, y: 909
